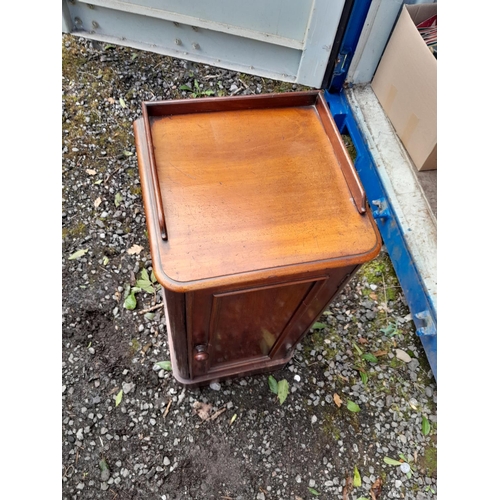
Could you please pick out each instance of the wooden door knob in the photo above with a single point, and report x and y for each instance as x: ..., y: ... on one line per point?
x: 200, y: 353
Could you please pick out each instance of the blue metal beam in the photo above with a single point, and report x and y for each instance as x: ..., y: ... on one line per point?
x: 349, y: 43
x: 417, y: 296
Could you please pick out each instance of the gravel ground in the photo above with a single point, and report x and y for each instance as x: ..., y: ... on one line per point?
x: 128, y: 429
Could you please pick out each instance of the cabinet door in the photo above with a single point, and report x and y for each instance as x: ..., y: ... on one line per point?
x: 247, y: 326
x: 236, y: 331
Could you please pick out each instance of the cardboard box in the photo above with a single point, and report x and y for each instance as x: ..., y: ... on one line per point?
x: 405, y: 83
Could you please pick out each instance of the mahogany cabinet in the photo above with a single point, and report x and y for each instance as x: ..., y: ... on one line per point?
x: 256, y: 219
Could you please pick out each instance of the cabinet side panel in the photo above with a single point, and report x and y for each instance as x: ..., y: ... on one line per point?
x: 175, y: 312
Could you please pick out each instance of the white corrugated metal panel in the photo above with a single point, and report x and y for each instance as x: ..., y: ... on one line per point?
x: 289, y: 40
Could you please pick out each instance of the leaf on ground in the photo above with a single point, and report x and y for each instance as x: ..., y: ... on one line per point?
x: 122, y: 103
x: 135, y: 250
x: 97, y: 202
x: 233, y: 418
x: 164, y: 365
x: 352, y: 406
x: 388, y: 330
x: 426, y: 426
x: 150, y: 315
x: 347, y: 488
x: 273, y: 384
x: 134, y: 55
x: 202, y: 409
x: 358, y: 350
x: 376, y: 489
x: 130, y: 302
x: 127, y: 153
x: 118, y: 199
x: 90, y: 171
x: 356, y: 480
x: 145, y: 285
x: 110, y: 100
x: 185, y: 87
x: 103, y: 465
x: 337, y: 400
x: 370, y: 357
x: 380, y: 353
x: 118, y: 397
x: 105, y: 261
x: 313, y: 491
x: 218, y: 413
x: 364, y: 377
x: 318, y: 326
x: 282, y: 390
x: 362, y: 340
x: 391, y: 461
x: 153, y: 277
x: 78, y: 254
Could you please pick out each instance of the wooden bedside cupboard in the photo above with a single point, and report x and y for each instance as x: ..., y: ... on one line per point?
x: 256, y: 219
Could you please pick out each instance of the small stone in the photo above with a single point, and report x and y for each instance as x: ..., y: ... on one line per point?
x: 104, y: 486
x: 403, y: 356
x: 296, y: 378
x: 373, y: 287
x: 261, y: 496
x: 312, y: 483
x: 314, y: 419
x: 80, y: 486
x: 166, y: 461
x: 328, y: 484
x: 398, y: 483
x: 215, y: 386
x: 105, y: 474
x: 298, y: 479
x: 128, y: 387
x: 413, y: 364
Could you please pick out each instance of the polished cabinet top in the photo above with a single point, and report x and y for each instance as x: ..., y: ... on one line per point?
x: 237, y: 188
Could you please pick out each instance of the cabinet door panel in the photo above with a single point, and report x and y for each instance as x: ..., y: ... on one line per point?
x: 247, y: 324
